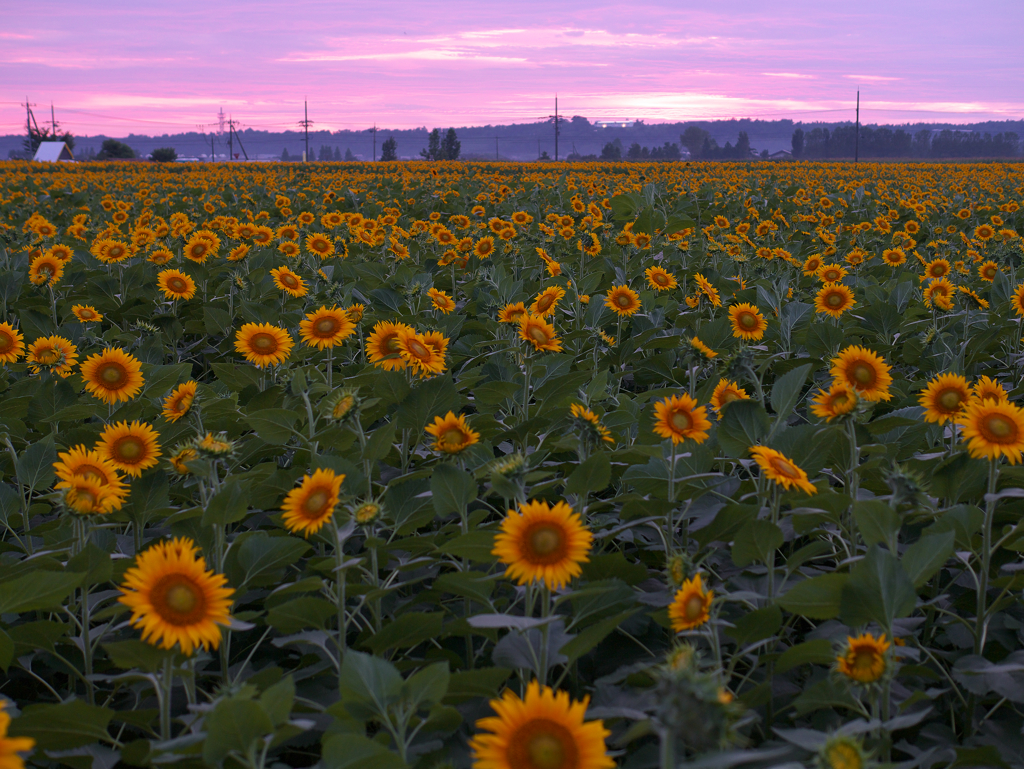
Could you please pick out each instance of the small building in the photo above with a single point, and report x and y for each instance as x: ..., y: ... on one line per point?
x: 51, y: 152
x: 782, y: 155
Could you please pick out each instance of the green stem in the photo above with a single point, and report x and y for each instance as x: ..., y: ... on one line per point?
x: 981, y: 627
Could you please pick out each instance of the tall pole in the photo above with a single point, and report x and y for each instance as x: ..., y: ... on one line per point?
x: 231, y: 144
x: 213, y: 158
x: 305, y: 122
x: 53, y: 122
x: 856, y: 138
x: 556, y: 129
x: 374, y: 142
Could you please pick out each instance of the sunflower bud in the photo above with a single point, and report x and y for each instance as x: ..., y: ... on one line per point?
x: 367, y: 513
x: 214, y: 446
x: 908, y: 487
x: 344, y: 404
x: 842, y: 752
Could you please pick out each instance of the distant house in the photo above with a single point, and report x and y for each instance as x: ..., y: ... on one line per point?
x: 782, y: 155
x: 51, y: 152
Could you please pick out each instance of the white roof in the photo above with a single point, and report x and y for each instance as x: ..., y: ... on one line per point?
x: 50, y: 152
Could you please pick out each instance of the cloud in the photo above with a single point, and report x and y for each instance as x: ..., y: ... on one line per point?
x: 793, y: 75
x: 873, y: 78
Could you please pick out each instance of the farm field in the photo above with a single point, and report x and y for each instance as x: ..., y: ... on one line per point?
x: 511, y: 465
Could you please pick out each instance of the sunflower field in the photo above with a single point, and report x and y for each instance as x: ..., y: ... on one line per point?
x: 511, y: 466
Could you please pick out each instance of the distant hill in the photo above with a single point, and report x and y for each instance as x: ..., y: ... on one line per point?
x: 522, y: 141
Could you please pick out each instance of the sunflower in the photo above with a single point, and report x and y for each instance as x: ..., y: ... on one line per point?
x: 660, y: 279
x: 10, y: 747
x: 543, y: 543
x: 52, y: 353
x: 691, y: 606
x: 112, y: 375
x: 45, y: 270
x: 86, y: 313
x: 987, y: 389
x: 944, y: 398
x: 263, y: 344
x: 198, y: 249
x: 894, y: 257
x: 622, y: 300
x: 382, y: 345
x: 320, y: 245
x: 545, y: 730
x: 831, y: 273
x: 726, y: 392
x: 514, y: 312
x: 834, y: 299
x: 289, y: 248
x: 62, y: 252
x: 87, y: 496
x: 812, y: 264
x: 416, y: 352
x: 12, y: 344
x: 777, y: 467
x: 238, y: 253
x: 992, y: 430
x: 452, y: 434
x: 289, y: 282
x: 984, y: 232
x: 178, y: 403
x: 311, y: 505
x: 842, y: 752
x: 829, y: 404
x: 130, y: 448
x: 546, y: 301
x: 213, y: 446
x: 864, y: 658
x: 326, y: 327
x: 175, y: 599
x: 987, y: 270
x: 747, y: 322
x: 539, y: 333
x: 176, y: 284
x: 440, y: 301
x: 160, y: 256
x: 864, y: 371
x: 590, y: 423
x: 937, y: 268
x: 703, y: 349
x: 939, y: 292
x: 484, y: 247
x: 88, y: 463
x: 679, y: 417
x: 183, y: 454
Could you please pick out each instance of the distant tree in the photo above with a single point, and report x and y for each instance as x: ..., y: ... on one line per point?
x: 742, y: 149
x: 164, y: 155
x: 433, y: 150
x: 922, y: 143
x: 635, y: 151
x: 337, y: 154
x: 797, y: 143
x: 451, y: 146
x: 348, y: 155
x: 285, y: 156
x: 693, y: 139
x: 389, y: 149
x: 112, y: 149
x: 545, y: 156
x: 764, y: 155
x: 578, y: 121
x: 611, y: 151
x: 37, y: 136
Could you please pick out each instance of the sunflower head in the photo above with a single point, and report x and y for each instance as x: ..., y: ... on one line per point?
x: 834, y: 299
x: 537, y: 332
x: 727, y: 391
x: 864, y: 659
x: 864, y: 371
x: 311, y: 505
x: 543, y: 543
x: 945, y: 396
x: 367, y: 513
x: 112, y: 375
x: 835, y: 402
x: 214, y: 446
x: 343, y: 405
x: 679, y: 417
x: 992, y: 430
x: 263, y: 344
x: 747, y: 322
x: 842, y: 751
x: 622, y: 300
x: 452, y: 434
x: 326, y: 327
x: 777, y: 467
x: 691, y: 606
x: 86, y: 495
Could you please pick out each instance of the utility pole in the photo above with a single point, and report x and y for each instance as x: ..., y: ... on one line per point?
x: 231, y: 146
x: 30, y: 120
x: 496, y: 156
x: 306, y: 123
x: 53, y: 122
x: 374, y: 142
x: 856, y: 138
x: 557, y: 129
x: 233, y: 132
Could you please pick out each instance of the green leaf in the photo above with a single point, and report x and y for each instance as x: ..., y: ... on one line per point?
x: 427, y: 687
x: 756, y: 626
x: 727, y: 521
x: 301, y: 613
x: 877, y: 521
x: 366, y: 679
x: 878, y: 590
x: 37, y: 590
x: 468, y: 584
x: 149, y: 498
x: 476, y: 546
x: 593, y: 635
x: 355, y: 751
x: 816, y: 652
x: 234, y: 726
x: 275, y: 426
x: 614, y: 566
x: 94, y: 564
x: 827, y: 693
x: 262, y: 555
x: 380, y: 443
x: 65, y: 726
x: 452, y: 489
x: 277, y: 700
x: 6, y: 650
x: 923, y: 559
x: 816, y: 598
x: 228, y: 505
x: 786, y: 391
x: 471, y: 684
x: 162, y: 378
x: 756, y: 541
x: 407, y: 630
x: 591, y: 475
x: 744, y: 424
x: 436, y: 397
x: 493, y: 393
x: 35, y: 465
x: 137, y: 655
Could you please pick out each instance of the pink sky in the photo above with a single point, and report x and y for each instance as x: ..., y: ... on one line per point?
x: 138, y: 66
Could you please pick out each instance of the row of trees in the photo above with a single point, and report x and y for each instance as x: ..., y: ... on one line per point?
x: 668, y: 151
x: 841, y: 142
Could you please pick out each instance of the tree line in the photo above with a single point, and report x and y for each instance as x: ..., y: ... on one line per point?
x: 881, y: 142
